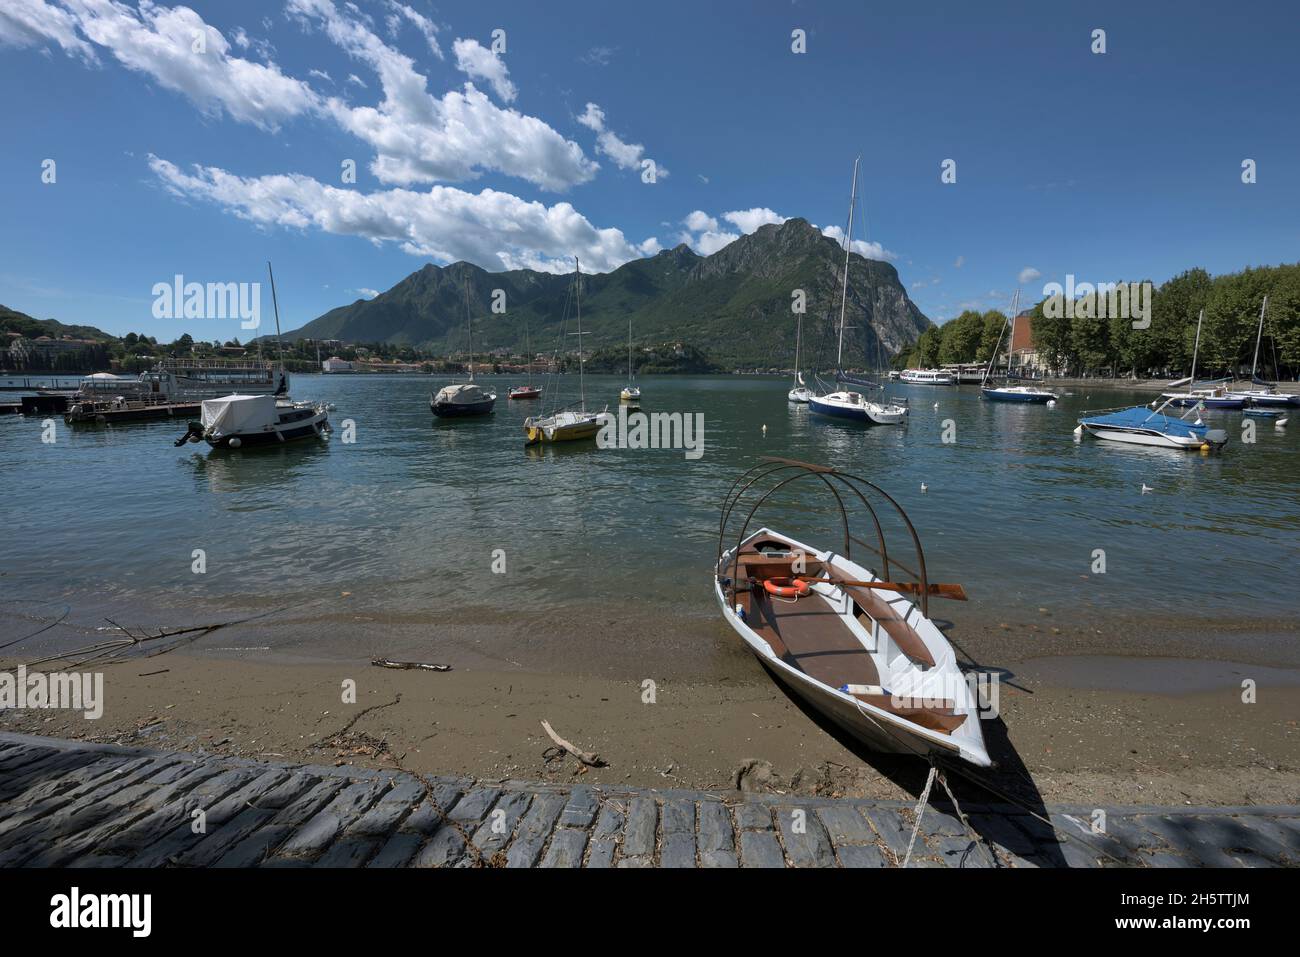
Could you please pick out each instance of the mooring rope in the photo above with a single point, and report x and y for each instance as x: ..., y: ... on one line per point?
x: 920, y: 810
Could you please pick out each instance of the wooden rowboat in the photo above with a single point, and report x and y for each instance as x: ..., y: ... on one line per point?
x: 850, y: 642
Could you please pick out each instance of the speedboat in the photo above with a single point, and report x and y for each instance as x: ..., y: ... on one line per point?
x: 630, y: 393
x: 855, y: 406
x: 1018, y: 393
x: 463, y: 398
x: 1140, y: 425
x: 525, y: 392
x: 236, y: 421
x: 852, y: 643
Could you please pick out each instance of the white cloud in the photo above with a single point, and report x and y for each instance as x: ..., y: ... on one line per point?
x: 494, y: 229
x: 748, y: 220
x: 867, y: 250
x: 320, y: 75
x: 479, y: 63
x: 357, y: 81
x: 705, y: 236
x: 599, y: 56
x: 1029, y: 274
x: 961, y: 261
x: 422, y: 23
x: 700, y: 221
x: 419, y: 138
x: 366, y: 293
x: 31, y: 23
x: 159, y: 42
x: 625, y: 155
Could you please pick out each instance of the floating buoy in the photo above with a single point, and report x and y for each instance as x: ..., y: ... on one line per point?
x: 1279, y: 423
x: 765, y: 429
x: 234, y: 443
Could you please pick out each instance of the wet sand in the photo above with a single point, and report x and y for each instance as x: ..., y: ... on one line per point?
x: 1084, y: 730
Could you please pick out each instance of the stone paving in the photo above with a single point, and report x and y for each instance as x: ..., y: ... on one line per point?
x: 68, y: 804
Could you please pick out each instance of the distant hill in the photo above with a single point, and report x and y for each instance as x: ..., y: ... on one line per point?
x: 734, y: 304
x: 11, y: 320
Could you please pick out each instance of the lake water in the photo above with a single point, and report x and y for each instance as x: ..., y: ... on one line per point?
x: 386, y: 545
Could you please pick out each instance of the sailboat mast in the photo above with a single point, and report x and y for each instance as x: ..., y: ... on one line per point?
x: 848, y: 249
x: 279, y: 345
x: 577, y: 299
x: 1196, y: 348
x: 1254, y: 364
x: 798, y: 335
x: 1011, y: 342
x: 469, y: 325
x: 629, y: 351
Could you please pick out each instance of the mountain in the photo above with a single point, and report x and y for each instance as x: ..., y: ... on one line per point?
x: 734, y: 304
x: 11, y: 320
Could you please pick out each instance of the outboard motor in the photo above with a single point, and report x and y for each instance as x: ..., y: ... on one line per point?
x: 193, y: 434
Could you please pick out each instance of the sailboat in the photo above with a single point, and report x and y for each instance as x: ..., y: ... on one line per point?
x: 1008, y: 392
x: 1269, y: 394
x: 631, y: 392
x: 568, y: 424
x: 1213, y: 397
x: 464, y: 398
x: 844, y: 403
x: 526, y: 391
x: 800, y: 392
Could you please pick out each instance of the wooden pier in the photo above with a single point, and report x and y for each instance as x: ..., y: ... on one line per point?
x: 107, y: 412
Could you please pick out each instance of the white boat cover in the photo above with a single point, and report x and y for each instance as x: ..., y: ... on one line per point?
x: 239, y: 414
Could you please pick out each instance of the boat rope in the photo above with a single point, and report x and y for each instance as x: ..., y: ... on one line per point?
x: 920, y: 810
x: 961, y: 816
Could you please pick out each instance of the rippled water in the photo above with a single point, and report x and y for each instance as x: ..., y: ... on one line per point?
x: 386, y: 545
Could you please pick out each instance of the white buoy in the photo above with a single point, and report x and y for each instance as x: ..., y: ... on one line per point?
x: 765, y: 428
x: 1078, y: 431
x: 234, y: 442
x: 1051, y: 403
x: 1279, y: 423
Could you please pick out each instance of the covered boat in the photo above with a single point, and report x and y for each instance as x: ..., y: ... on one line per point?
x: 236, y: 421
x: 463, y: 398
x: 1140, y: 425
x: 846, y: 638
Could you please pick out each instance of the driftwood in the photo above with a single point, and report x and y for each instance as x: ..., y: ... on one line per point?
x: 589, y: 758
x: 408, y: 665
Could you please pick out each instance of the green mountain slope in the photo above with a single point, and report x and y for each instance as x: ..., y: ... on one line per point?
x: 735, y: 304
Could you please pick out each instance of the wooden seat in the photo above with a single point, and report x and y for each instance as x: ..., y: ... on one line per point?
x: 939, y: 717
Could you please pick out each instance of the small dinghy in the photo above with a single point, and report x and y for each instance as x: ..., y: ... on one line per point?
x: 855, y: 643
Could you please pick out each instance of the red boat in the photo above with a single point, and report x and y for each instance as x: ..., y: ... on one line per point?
x: 525, y: 392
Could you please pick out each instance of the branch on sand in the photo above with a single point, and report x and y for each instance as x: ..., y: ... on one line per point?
x: 589, y: 758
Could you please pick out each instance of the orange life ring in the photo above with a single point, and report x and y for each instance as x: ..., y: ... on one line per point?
x: 786, y: 587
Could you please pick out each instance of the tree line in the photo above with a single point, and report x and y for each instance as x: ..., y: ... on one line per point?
x: 1083, y: 340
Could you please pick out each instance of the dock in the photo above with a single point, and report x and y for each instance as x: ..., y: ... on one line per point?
x: 108, y: 412
x: 66, y: 803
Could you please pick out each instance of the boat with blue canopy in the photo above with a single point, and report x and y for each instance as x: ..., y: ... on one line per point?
x: 1141, y: 425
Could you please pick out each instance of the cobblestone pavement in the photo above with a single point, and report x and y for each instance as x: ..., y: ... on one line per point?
x: 64, y: 803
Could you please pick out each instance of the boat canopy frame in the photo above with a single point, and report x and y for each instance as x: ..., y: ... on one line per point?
x: 772, y: 474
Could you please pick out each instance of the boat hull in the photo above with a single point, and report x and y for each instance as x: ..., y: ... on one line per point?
x: 834, y: 410
x: 800, y: 395
x: 1188, y: 402
x: 876, y: 729
x: 455, y: 410
x: 588, y: 428
x: 1147, y: 437
x: 525, y: 393
x: 1006, y: 395
x: 1274, y: 399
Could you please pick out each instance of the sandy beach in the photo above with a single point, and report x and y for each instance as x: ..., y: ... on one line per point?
x: 1078, y: 729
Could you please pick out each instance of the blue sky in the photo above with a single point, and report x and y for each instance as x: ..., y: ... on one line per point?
x: 1124, y: 165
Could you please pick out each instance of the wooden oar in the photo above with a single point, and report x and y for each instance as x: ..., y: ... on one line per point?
x: 938, y: 589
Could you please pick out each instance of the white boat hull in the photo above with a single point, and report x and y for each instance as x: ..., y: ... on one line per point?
x: 879, y: 730
x: 1146, y: 438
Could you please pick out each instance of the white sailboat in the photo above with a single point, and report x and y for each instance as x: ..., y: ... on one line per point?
x: 1008, y: 392
x: 800, y: 392
x: 1268, y: 395
x: 631, y: 392
x: 1214, y: 396
x: 568, y: 424
x: 845, y: 403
